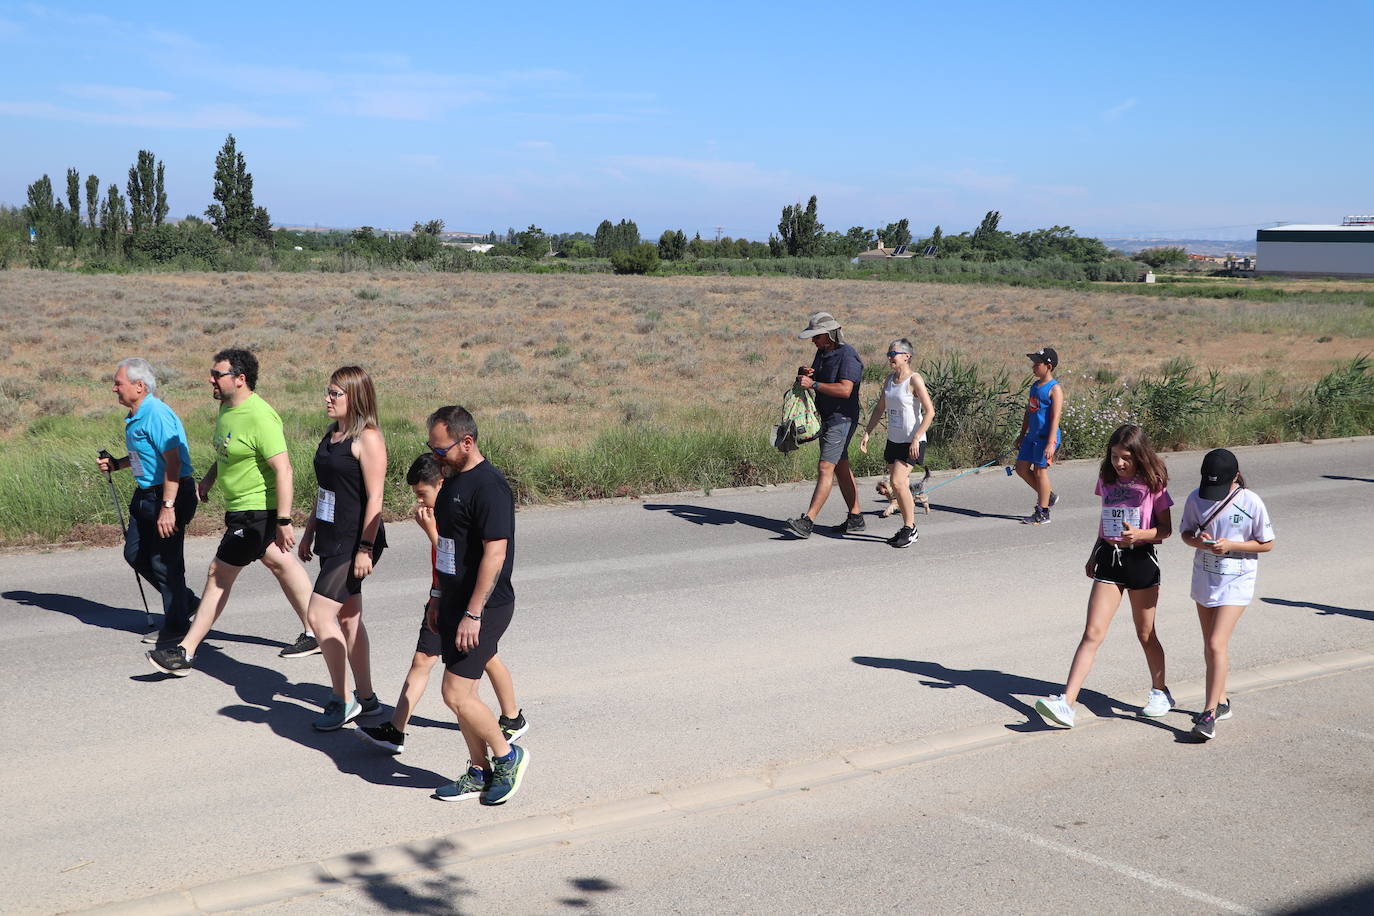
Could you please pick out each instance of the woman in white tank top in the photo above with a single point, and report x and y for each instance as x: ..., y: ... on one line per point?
x: 909, y: 412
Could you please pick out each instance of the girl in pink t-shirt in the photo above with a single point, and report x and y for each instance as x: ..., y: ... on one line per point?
x: 1135, y: 517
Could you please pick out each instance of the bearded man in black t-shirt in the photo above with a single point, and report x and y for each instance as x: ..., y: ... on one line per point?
x: 474, y: 601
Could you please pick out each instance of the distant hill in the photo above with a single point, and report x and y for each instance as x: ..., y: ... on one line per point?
x: 1192, y: 246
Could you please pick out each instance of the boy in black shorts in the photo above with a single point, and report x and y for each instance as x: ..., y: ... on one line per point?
x: 475, y: 517
x: 425, y: 477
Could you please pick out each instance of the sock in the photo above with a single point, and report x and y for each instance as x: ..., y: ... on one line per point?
x: 308, y: 633
x: 506, y: 759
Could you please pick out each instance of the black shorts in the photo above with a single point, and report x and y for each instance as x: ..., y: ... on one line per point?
x: 429, y: 642
x: 1132, y: 568
x: 901, y: 451
x: 246, y: 536
x: 336, y: 580
x: 472, y: 664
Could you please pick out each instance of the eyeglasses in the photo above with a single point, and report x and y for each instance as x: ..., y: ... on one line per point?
x: 217, y: 375
x: 332, y: 395
x: 442, y: 450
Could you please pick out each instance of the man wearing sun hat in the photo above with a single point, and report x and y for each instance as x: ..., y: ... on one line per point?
x: 834, y: 375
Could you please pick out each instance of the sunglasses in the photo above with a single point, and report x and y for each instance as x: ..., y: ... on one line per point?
x: 442, y: 450
x: 892, y: 353
x: 217, y: 375
x: 332, y: 395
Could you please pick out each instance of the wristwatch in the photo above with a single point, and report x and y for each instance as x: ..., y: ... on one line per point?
x: 169, y: 504
x: 284, y: 520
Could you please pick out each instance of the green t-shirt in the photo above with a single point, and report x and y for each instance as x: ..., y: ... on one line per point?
x: 245, y: 437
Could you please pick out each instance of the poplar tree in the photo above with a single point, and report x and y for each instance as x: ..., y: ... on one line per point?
x: 73, y: 226
x: 143, y: 192
x: 114, y: 220
x: 233, y: 215
x: 92, y: 200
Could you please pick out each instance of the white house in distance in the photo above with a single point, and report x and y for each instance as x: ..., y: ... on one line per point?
x: 1346, y: 250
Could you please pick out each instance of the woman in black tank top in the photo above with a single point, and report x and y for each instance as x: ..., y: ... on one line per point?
x: 346, y: 532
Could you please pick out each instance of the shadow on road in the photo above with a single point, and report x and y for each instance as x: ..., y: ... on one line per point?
x: 1344, y: 477
x: 1357, y: 899
x: 972, y: 513
x: 703, y: 515
x: 1325, y: 610
x: 271, y: 699
x: 1007, y: 690
x: 95, y: 614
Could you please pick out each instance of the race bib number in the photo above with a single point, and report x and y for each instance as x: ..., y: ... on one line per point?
x: 1115, y: 517
x: 1223, y: 566
x: 136, y: 465
x: 894, y: 417
x: 444, y: 560
x: 324, y: 505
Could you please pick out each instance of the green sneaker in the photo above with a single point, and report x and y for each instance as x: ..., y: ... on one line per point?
x: 336, y: 714
x: 470, y: 785
x: 506, y: 776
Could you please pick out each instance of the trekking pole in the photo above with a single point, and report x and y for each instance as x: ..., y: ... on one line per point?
x: 119, y: 510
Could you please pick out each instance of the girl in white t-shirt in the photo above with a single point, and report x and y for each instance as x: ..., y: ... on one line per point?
x: 1133, y: 484
x: 1229, y: 527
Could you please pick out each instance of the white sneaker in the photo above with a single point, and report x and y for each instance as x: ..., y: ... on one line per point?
x: 1055, y: 710
x: 1158, y: 704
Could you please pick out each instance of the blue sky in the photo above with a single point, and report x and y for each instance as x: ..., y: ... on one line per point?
x: 1168, y: 119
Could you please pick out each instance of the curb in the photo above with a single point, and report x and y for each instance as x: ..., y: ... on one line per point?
x: 542, y: 830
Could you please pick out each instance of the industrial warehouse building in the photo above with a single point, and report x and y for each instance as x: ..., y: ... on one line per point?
x: 1346, y: 250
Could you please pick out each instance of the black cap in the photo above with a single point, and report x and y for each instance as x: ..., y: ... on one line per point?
x: 1046, y: 355
x: 1219, y: 468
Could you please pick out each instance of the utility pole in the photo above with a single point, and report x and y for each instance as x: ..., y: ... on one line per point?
x: 718, y: 231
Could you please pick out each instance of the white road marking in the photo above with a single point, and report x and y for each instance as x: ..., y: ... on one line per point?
x: 1119, y: 868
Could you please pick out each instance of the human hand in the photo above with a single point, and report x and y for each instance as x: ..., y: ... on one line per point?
x: 432, y: 615
x: 1130, y: 535
x: 468, y: 631
x: 202, y: 490
x: 285, y: 538
x: 166, y: 522
x: 106, y: 464
x: 863, y: 443
x: 362, y: 563
x: 424, y: 517
x: 303, y: 548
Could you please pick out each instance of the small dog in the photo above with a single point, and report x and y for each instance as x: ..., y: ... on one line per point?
x: 918, y: 493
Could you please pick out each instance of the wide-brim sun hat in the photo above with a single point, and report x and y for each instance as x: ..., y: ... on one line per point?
x: 820, y: 323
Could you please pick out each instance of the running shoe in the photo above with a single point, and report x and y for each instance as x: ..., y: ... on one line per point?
x: 152, y: 637
x: 506, y: 775
x: 1223, y: 710
x: 385, y: 736
x: 1160, y: 702
x: 336, y: 714
x: 1205, y: 725
x: 1054, y: 499
x: 303, y: 646
x: 1055, y: 710
x: 171, y: 660
x: 1038, y: 517
x: 801, y: 526
x: 853, y: 522
x: 514, y: 728
x: 904, y: 537
x: 368, y: 706
x: 470, y: 785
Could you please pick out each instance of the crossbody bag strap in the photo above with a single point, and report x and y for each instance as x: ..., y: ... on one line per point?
x: 1219, y: 507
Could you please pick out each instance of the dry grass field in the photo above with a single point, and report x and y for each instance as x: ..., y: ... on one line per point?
x: 557, y: 363
x: 569, y: 355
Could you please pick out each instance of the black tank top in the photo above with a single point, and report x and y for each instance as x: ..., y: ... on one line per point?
x: 340, y: 475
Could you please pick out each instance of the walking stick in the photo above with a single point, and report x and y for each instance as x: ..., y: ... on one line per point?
x: 114, y: 498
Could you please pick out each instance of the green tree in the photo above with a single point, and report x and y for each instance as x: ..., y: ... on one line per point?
x: 800, y: 230
x: 1161, y: 257
x: 697, y: 248
x: 641, y: 259
x: 72, y: 227
x: 114, y: 221
x: 233, y: 215
x: 40, y: 209
x: 434, y: 227
x: 672, y: 245
x: 144, y: 185
x: 92, y: 201
x: 894, y: 234
x: 533, y: 243
x: 159, y: 198
x: 859, y: 239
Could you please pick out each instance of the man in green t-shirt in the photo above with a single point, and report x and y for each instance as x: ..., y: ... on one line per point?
x: 254, y: 472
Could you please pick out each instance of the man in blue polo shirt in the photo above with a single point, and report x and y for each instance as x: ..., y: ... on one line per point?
x: 165, y: 498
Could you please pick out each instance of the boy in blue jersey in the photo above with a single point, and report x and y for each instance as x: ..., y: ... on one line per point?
x: 1039, y: 438
x: 164, y: 499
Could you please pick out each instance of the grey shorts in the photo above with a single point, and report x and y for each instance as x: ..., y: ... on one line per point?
x: 836, y: 431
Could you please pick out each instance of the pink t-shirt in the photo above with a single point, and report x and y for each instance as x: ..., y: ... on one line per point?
x: 1128, y: 500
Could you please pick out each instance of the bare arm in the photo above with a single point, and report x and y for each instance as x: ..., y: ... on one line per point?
x: 488, y: 569
x: 372, y: 456
x: 918, y: 388
x: 280, y: 464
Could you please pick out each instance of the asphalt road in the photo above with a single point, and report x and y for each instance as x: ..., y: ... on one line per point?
x: 674, y: 644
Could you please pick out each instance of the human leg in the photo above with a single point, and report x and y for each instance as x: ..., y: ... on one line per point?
x: 292, y: 577
x: 218, y: 583
x: 499, y: 677
x: 825, y: 481
x: 900, y: 474
x: 481, y: 732
x: 417, y: 679
x: 1103, y: 601
x: 1218, y: 623
x: 322, y: 618
x: 1042, y: 486
x: 1143, y: 604
x: 359, y: 647
x: 849, y: 487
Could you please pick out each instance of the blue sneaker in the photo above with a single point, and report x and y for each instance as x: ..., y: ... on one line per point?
x: 470, y: 785
x: 370, y: 706
x: 506, y: 776
x: 336, y: 714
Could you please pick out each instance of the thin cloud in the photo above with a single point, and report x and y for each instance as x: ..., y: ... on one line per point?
x: 217, y: 117
x: 126, y: 96
x: 1116, y: 111
x: 713, y: 172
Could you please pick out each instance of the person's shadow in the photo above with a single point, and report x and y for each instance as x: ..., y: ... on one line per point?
x: 1344, y: 477
x: 127, y: 620
x: 1324, y: 610
x: 972, y: 513
x: 705, y: 515
x: 267, y: 697
x: 1008, y: 689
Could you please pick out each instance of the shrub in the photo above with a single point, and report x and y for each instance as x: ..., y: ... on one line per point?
x: 642, y: 259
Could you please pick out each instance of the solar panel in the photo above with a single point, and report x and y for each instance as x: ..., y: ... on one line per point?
x: 900, y: 249
x: 929, y: 251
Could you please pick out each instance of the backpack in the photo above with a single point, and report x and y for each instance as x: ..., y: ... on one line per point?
x: 800, y: 421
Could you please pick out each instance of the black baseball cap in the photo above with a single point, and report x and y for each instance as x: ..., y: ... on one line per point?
x: 1219, y: 468
x: 1046, y: 355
